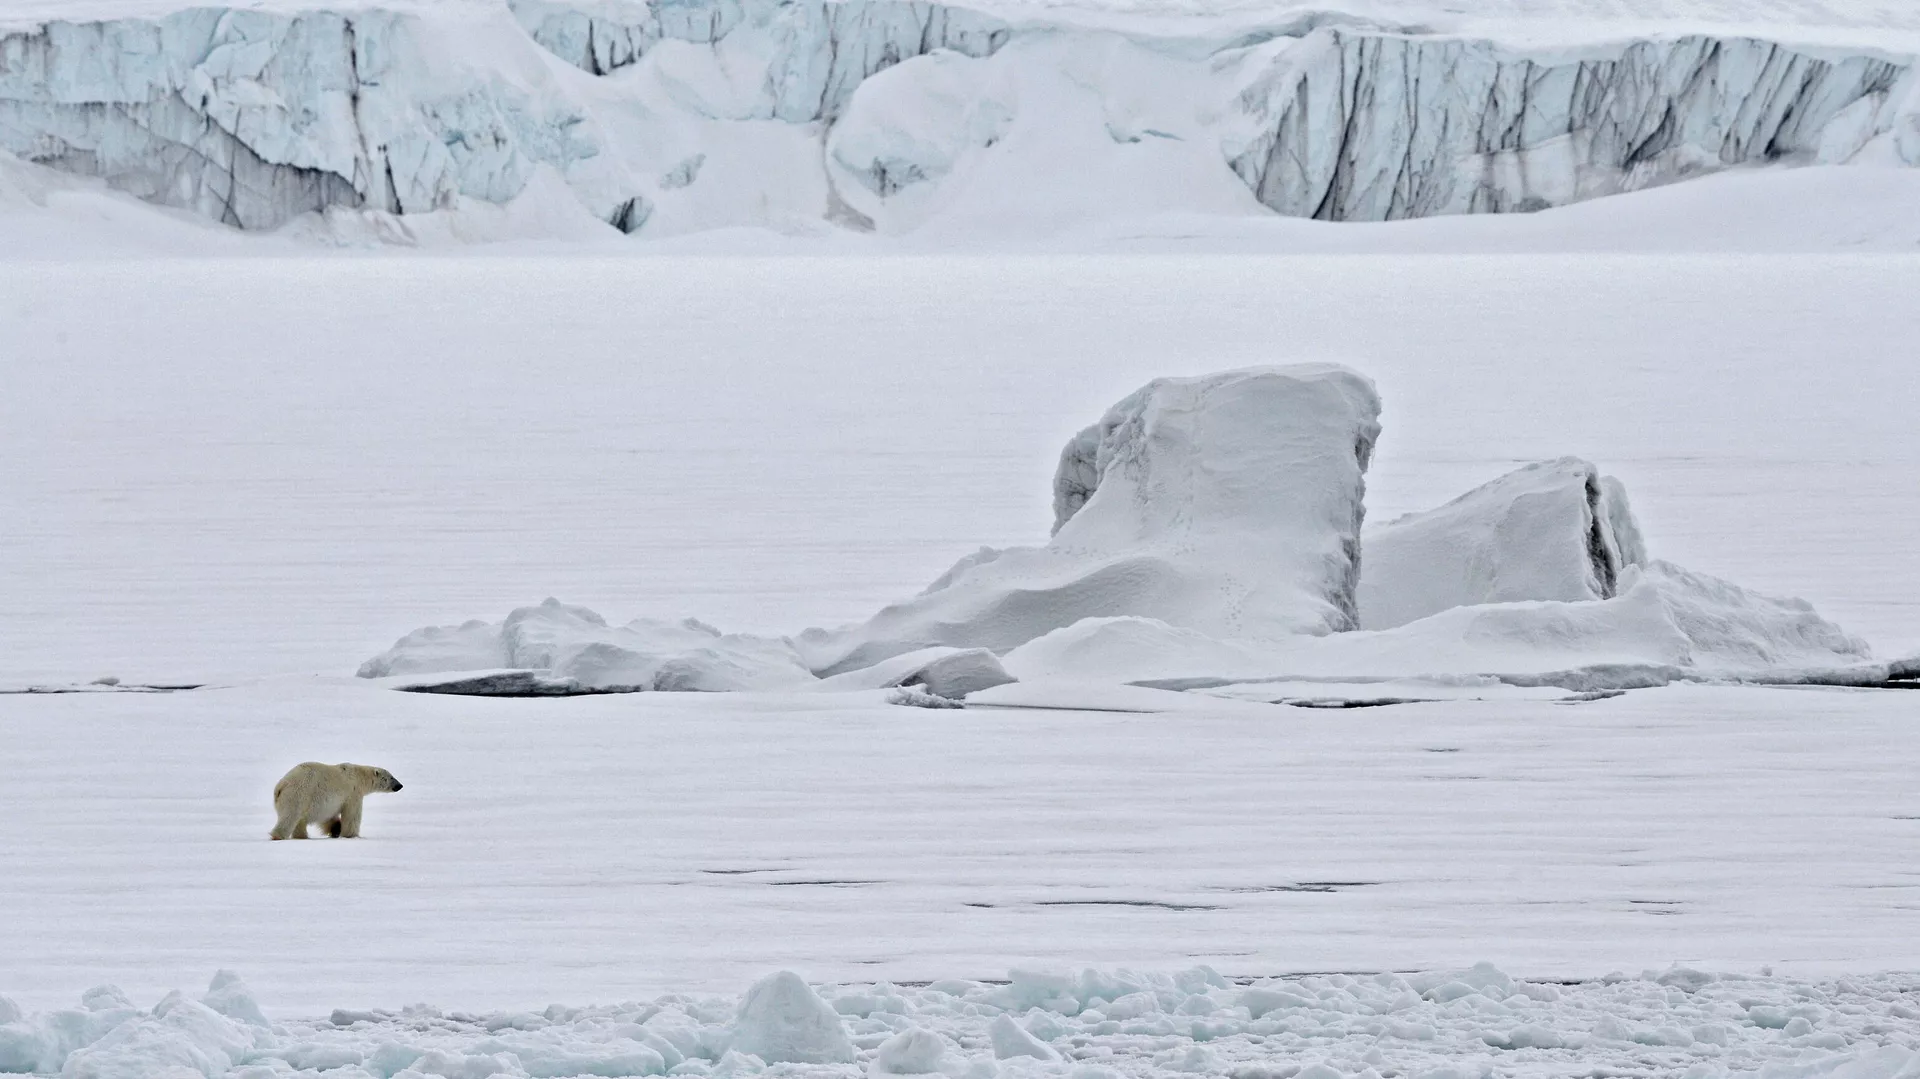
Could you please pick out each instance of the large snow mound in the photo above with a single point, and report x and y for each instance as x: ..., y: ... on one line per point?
x: 1551, y: 530
x: 672, y: 116
x: 577, y: 647
x: 1666, y: 623
x: 1035, y: 1025
x: 1229, y: 504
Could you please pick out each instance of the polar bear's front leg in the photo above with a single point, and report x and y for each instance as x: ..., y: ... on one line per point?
x: 350, y: 818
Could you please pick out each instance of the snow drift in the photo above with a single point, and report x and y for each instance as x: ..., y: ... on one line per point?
x: 885, y: 114
x: 1229, y: 504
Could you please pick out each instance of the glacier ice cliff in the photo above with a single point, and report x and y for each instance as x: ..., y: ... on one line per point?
x: 812, y: 54
x: 666, y: 116
x: 252, y: 118
x: 1371, y: 127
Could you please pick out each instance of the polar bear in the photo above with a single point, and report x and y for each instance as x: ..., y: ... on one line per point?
x: 327, y: 795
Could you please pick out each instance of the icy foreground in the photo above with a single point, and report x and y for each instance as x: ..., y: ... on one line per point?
x: 1208, y: 530
x: 1091, y: 1025
x: 887, y: 115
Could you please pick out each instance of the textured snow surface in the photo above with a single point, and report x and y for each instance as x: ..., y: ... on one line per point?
x: 1476, y: 1021
x: 905, y: 116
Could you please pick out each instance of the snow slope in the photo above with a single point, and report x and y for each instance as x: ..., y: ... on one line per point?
x: 894, y: 115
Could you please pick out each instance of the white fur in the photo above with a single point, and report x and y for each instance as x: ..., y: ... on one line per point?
x: 327, y: 795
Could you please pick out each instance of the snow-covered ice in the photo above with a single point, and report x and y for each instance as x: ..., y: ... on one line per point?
x: 1666, y: 623
x: 1553, y: 530
x: 1209, y: 529
x: 1229, y: 503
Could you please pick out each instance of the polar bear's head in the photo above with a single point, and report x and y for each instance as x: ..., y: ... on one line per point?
x: 371, y: 780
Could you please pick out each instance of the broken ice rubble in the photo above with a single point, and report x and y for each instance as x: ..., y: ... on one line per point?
x: 578, y: 648
x: 1034, y: 1025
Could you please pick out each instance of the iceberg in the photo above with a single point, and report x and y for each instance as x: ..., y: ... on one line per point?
x: 1552, y: 530
x: 1227, y: 504
x: 1208, y: 531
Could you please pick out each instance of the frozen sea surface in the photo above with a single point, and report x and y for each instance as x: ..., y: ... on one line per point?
x: 611, y: 848
x: 218, y: 469
x: 226, y: 469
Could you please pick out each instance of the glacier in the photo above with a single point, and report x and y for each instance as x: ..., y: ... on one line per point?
x: 662, y: 117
